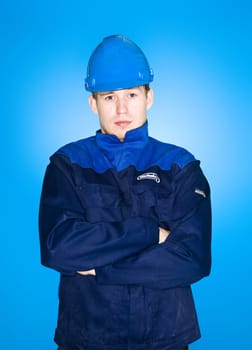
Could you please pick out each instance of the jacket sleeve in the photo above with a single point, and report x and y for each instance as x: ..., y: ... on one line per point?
x: 185, y: 256
x: 69, y: 243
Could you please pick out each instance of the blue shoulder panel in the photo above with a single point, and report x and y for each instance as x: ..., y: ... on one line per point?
x: 165, y: 154
x: 85, y: 153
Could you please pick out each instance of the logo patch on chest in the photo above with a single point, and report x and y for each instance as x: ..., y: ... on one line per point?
x: 149, y: 176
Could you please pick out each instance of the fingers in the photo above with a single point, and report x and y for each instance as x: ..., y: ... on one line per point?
x: 86, y: 273
x: 163, y: 234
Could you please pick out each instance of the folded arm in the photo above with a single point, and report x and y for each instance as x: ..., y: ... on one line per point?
x: 185, y: 257
x: 163, y: 234
x: 69, y: 243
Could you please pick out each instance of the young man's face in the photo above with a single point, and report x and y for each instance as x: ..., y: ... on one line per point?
x: 121, y: 110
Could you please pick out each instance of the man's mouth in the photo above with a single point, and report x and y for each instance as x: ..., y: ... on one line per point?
x: 123, y: 123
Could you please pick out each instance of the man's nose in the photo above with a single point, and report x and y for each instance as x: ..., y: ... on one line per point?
x: 121, y: 106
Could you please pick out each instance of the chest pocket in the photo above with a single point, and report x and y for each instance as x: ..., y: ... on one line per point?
x: 101, y: 203
x: 152, y: 201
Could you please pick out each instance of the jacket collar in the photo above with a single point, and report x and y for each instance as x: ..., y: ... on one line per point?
x: 134, y: 139
x: 121, y: 154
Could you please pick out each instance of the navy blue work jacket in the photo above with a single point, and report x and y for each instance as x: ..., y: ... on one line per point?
x: 102, y: 204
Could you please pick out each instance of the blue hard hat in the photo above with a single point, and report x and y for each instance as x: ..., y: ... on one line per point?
x: 117, y: 63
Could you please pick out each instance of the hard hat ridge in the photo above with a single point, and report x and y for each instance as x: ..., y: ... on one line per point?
x: 117, y: 63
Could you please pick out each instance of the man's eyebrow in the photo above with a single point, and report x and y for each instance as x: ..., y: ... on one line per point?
x: 105, y: 93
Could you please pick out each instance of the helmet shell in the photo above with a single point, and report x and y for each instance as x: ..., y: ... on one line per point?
x: 117, y: 63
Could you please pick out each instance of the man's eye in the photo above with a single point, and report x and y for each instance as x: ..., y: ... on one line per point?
x: 109, y: 98
x: 132, y: 95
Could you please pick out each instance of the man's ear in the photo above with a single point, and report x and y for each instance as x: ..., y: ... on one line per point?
x: 93, y: 104
x: 150, y: 98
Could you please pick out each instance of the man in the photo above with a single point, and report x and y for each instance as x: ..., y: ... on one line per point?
x: 125, y: 219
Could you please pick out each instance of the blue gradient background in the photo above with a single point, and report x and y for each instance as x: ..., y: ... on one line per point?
x: 201, y: 55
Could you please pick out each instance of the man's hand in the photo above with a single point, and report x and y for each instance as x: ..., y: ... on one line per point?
x: 86, y: 273
x: 163, y: 234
